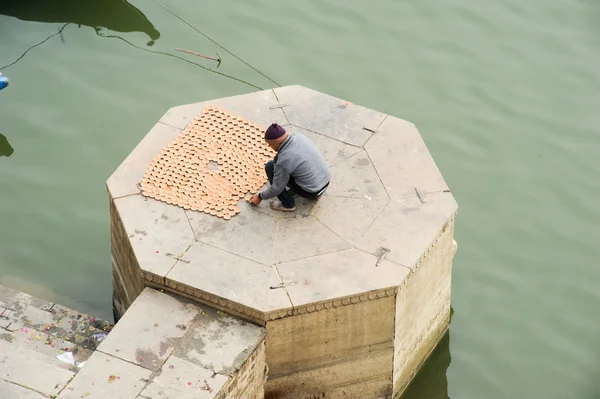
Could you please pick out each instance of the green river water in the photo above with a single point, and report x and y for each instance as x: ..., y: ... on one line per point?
x: 505, y: 93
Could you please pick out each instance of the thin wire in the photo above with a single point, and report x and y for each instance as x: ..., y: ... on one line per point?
x: 35, y: 45
x: 181, y: 58
x: 209, y: 38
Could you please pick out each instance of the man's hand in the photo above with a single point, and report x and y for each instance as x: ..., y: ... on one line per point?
x: 255, y: 200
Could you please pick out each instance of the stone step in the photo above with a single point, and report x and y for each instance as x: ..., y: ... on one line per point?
x: 47, y: 345
x: 29, y: 323
x: 10, y: 390
x: 33, y: 370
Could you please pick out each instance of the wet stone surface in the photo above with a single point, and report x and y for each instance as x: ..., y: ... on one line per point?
x: 40, y: 336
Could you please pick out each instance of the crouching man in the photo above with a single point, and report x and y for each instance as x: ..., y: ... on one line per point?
x: 298, y: 165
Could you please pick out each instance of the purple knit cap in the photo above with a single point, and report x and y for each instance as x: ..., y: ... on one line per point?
x: 274, y: 132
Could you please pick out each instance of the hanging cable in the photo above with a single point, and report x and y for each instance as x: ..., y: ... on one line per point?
x: 209, y: 38
x: 181, y: 58
x: 35, y: 45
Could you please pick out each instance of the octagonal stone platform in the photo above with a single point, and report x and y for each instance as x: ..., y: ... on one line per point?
x: 354, y: 289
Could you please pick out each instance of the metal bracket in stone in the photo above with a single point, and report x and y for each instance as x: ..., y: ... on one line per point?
x: 370, y: 130
x: 4, y: 319
x: 179, y: 258
x: 274, y: 287
x: 419, y: 195
x: 278, y: 106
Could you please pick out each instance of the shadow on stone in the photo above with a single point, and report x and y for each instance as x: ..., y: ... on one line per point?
x: 6, y: 149
x: 431, y: 381
x: 115, y: 15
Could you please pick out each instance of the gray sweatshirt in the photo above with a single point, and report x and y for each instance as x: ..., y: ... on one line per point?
x: 299, y: 158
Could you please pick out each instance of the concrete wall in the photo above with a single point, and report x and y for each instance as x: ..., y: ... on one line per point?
x: 423, y: 309
x: 249, y: 381
x: 126, y: 273
x: 342, y: 352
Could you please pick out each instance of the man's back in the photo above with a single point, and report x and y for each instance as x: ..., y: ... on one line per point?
x: 303, y: 160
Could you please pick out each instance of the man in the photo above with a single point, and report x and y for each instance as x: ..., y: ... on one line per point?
x: 298, y: 165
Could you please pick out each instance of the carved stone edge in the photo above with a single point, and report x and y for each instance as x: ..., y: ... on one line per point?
x: 226, y: 305
x: 151, y: 278
x: 254, y: 315
x: 336, y: 303
x: 261, y: 318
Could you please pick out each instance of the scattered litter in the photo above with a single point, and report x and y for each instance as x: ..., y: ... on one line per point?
x: 68, y: 358
x: 207, y: 387
x: 367, y: 197
x: 100, y: 336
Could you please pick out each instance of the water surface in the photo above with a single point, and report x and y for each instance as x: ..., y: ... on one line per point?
x: 505, y: 94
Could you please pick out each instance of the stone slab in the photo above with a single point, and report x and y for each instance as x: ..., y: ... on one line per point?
x: 219, y: 342
x: 228, y: 276
x: 154, y: 229
x: 104, y: 377
x: 27, y: 316
x: 203, y: 223
x: 355, y: 177
x: 303, y: 209
x: 12, y: 391
x: 327, y: 115
x: 10, y: 298
x: 338, y: 275
x: 150, y: 329
x: 334, y: 151
x: 250, y: 234
x: 30, y: 369
x: 256, y: 107
x: 51, y: 344
x: 304, y: 237
x: 124, y: 181
x: 184, y: 380
x: 407, y: 227
x: 349, y: 218
x: 403, y: 160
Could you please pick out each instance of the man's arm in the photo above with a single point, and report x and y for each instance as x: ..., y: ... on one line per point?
x: 280, y: 180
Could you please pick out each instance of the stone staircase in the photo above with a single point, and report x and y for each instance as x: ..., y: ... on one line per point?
x: 33, y: 334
